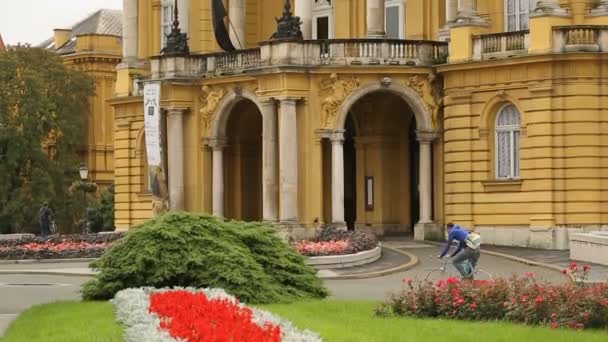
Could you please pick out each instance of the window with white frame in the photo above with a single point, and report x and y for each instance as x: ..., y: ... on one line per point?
x: 395, y: 19
x: 322, y: 19
x: 507, y: 142
x: 517, y: 13
x: 166, y: 20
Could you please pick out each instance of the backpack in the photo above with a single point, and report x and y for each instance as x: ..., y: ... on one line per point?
x: 473, y: 241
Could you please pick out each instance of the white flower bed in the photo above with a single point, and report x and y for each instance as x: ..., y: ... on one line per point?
x: 132, y: 305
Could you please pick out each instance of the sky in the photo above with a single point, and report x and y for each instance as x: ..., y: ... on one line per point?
x: 33, y: 21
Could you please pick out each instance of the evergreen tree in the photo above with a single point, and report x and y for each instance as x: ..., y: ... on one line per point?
x: 43, y: 107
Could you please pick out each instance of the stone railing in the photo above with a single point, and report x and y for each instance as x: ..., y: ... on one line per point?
x: 378, y: 52
x: 500, y: 45
x: 310, y: 53
x: 580, y: 38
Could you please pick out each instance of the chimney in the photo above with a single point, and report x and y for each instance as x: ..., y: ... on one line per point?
x: 61, y: 37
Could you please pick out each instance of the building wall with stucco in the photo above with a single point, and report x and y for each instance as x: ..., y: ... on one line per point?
x: 413, y: 124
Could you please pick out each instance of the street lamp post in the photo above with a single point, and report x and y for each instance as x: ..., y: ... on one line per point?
x: 84, y: 175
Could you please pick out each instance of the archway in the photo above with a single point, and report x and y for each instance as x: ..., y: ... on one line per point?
x: 243, y: 162
x: 381, y: 162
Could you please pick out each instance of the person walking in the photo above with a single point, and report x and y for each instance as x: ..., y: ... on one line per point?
x: 45, y: 218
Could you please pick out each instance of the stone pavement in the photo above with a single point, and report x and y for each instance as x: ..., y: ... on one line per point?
x: 556, y: 258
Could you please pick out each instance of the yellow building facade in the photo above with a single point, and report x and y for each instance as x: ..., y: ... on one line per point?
x: 390, y: 116
x: 94, y: 46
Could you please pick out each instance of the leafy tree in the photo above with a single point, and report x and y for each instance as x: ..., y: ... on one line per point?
x: 42, y: 111
x: 102, y: 215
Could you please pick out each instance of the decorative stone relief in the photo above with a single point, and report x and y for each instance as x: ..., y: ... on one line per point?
x: 210, y: 99
x: 334, y: 91
x: 429, y: 88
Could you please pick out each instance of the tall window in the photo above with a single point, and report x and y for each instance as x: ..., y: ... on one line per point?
x: 517, y: 14
x: 507, y: 142
x: 166, y: 20
x: 395, y: 19
x: 322, y: 19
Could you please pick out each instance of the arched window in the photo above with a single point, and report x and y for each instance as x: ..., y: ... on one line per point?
x: 517, y: 14
x: 507, y: 142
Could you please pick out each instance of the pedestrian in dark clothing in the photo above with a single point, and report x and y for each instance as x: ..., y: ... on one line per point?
x: 45, y: 218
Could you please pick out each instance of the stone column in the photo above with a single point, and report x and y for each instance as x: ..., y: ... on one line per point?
x: 467, y: 8
x: 425, y: 187
x: 375, y: 19
x: 451, y: 13
x: 183, y: 15
x: 270, y: 176
x: 451, y: 10
x: 129, y: 30
x: 175, y: 156
x: 236, y: 15
x: 304, y: 11
x: 288, y: 160
x: 217, y: 196
x: 337, y: 177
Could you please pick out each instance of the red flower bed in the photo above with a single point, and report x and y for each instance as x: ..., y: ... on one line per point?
x: 524, y: 300
x: 53, y: 250
x: 195, y: 318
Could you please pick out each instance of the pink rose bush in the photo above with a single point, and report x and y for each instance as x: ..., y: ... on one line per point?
x: 312, y: 248
x: 518, y: 299
x: 332, y: 241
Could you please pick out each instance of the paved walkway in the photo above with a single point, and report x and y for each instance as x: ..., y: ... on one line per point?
x: 557, y: 258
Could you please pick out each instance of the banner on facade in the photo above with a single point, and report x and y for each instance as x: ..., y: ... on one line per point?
x: 152, y: 127
x: 153, y: 133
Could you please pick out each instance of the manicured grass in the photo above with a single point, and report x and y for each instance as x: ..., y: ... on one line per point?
x: 66, y: 322
x: 336, y: 321
x: 354, y: 321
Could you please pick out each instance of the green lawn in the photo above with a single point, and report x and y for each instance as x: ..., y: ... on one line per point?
x: 66, y: 322
x: 334, y: 320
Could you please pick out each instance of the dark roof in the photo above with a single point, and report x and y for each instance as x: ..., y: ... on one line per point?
x: 103, y: 21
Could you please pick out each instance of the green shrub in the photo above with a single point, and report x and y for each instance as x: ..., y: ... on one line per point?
x: 246, y: 259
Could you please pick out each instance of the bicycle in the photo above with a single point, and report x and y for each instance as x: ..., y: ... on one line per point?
x: 444, y: 271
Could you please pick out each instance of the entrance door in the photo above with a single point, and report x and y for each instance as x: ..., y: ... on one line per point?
x: 350, y: 176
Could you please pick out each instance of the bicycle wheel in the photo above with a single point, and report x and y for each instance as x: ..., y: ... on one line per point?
x: 438, y: 274
x: 482, y: 275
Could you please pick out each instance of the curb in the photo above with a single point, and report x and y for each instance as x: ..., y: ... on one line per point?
x: 46, y: 261
x: 48, y: 272
x: 520, y: 260
x: 529, y: 262
x: 413, y: 262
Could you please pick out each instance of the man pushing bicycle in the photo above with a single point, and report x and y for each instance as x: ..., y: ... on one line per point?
x: 469, y: 244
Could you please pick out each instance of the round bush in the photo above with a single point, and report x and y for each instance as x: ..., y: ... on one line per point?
x: 246, y: 259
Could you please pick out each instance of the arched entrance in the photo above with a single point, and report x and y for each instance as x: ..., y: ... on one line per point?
x: 243, y: 162
x: 380, y: 165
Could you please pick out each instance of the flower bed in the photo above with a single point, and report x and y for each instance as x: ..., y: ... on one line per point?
x: 518, y: 299
x: 58, y: 246
x: 333, y: 241
x: 173, y: 315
